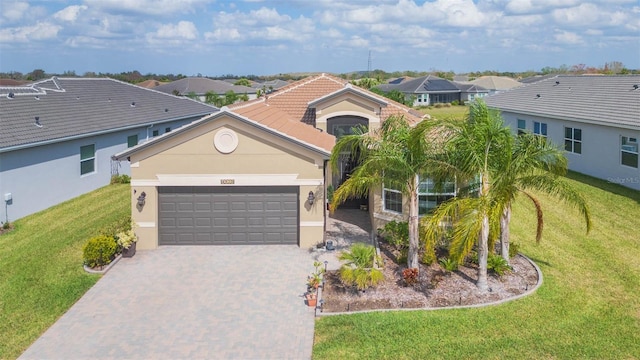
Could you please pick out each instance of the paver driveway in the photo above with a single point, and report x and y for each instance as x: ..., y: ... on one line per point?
x: 208, y: 302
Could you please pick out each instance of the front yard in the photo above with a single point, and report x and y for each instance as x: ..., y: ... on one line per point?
x: 588, y: 306
x: 41, y: 273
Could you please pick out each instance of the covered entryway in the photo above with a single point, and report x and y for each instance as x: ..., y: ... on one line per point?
x: 201, y: 215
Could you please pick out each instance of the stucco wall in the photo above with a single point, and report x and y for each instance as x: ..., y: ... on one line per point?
x: 600, y: 155
x: 260, y: 159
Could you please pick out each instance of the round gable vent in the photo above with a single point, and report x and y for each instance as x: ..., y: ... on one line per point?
x: 226, y: 140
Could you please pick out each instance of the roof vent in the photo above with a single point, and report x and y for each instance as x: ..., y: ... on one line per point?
x: 557, y: 82
x: 77, y: 97
x: 10, y: 95
x: 166, y: 110
x: 37, y: 97
x: 537, y: 96
x: 133, y: 104
x: 38, y: 122
x: 109, y: 100
x: 635, y: 86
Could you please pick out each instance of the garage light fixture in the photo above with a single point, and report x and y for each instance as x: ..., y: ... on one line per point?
x: 141, y: 198
x: 311, y: 198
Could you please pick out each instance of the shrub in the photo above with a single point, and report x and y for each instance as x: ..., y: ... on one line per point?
x: 120, y: 179
x: 473, y: 257
x: 403, y: 256
x: 497, y: 264
x: 514, y: 249
x: 359, y: 269
x: 99, y: 251
x: 449, y: 264
x: 410, y: 276
x: 126, y: 238
x: 121, y: 225
x: 455, y: 103
x: 438, y: 105
x: 396, y: 233
x: 6, y: 226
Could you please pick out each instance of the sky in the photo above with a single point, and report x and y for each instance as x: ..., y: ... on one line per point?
x: 268, y: 37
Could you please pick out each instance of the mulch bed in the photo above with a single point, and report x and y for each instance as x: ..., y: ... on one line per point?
x: 435, y: 288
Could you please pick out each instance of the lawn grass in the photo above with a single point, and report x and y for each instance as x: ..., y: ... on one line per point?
x: 445, y: 113
x: 41, y: 273
x: 587, y: 308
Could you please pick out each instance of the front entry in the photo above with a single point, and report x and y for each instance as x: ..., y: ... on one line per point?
x: 340, y: 126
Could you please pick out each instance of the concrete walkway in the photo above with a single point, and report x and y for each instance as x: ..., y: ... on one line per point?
x: 208, y: 302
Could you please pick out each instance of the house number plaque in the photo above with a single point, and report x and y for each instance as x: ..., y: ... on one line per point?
x: 227, y: 181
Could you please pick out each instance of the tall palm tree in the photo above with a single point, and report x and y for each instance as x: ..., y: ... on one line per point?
x: 476, y: 151
x: 533, y: 164
x: 395, y: 155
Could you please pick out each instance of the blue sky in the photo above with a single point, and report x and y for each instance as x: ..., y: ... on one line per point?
x: 270, y: 37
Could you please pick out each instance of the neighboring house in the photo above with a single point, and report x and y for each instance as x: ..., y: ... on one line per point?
x: 536, y: 78
x: 471, y: 92
x: 596, y: 119
x: 270, y: 85
x: 426, y: 90
x: 150, y: 84
x: 58, y: 136
x: 257, y: 172
x: 496, y: 84
x: 200, y: 86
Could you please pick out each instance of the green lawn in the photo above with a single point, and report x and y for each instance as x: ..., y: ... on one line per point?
x: 41, y: 273
x: 588, y: 306
x: 445, y: 113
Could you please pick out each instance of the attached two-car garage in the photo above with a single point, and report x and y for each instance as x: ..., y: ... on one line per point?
x: 209, y: 215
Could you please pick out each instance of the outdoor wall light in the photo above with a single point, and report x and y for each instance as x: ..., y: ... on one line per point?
x: 311, y: 198
x: 142, y: 198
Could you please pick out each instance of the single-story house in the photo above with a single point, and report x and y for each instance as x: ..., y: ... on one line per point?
x: 58, y: 136
x: 257, y: 172
x: 596, y: 119
x: 471, y: 92
x: 200, y: 86
x: 426, y: 90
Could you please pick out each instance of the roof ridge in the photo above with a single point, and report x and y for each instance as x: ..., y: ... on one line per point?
x: 304, y: 82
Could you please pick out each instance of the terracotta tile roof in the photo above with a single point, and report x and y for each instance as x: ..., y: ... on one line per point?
x: 292, y: 102
x: 278, y: 120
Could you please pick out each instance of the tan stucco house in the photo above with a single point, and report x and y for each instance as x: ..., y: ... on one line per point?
x: 257, y: 172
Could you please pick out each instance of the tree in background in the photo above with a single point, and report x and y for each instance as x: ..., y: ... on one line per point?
x: 243, y: 82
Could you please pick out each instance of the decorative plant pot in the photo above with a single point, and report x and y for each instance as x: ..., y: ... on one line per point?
x: 312, y: 299
x: 127, y: 253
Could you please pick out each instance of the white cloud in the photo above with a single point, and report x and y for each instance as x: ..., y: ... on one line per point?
x: 148, y: 7
x: 39, y: 31
x: 537, y: 6
x: 182, y: 30
x: 70, y: 13
x: 14, y: 10
x: 223, y: 35
x: 566, y: 37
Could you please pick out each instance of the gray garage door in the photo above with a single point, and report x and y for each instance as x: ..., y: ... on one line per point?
x: 227, y: 215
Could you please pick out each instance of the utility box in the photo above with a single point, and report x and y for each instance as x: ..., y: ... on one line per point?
x: 7, y: 197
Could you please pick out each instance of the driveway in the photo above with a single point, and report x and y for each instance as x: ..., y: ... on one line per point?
x: 190, y: 302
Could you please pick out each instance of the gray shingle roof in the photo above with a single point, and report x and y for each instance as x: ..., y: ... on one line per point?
x: 72, y: 107
x: 425, y: 84
x: 201, y: 86
x: 605, y: 100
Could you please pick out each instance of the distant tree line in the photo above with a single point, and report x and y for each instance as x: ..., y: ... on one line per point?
x: 379, y: 76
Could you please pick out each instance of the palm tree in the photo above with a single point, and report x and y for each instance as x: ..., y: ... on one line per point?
x: 476, y: 151
x: 505, y: 166
x: 533, y: 164
x: 395, y: 156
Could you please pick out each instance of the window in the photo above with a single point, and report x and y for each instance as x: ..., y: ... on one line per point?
x: 87, y: 159
x: 540, y: 128
x: 629, y: 151
x: 430, y: 196
x: 132, y: 140
x: 573, y: 140
x: 166, y: 130
x: 392, y: 200
x: 155, y: 133
x: 522, y: 126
